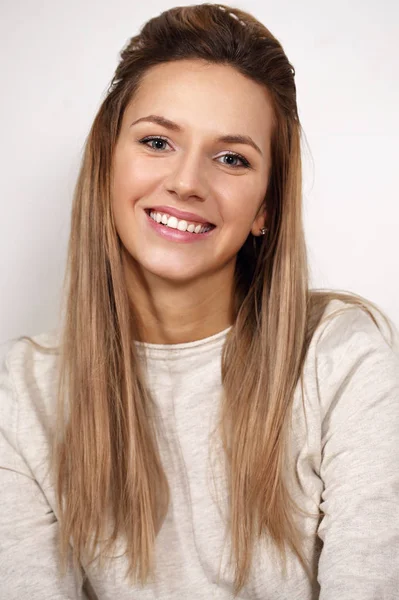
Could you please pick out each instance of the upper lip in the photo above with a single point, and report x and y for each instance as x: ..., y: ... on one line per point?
x: 179, y: 214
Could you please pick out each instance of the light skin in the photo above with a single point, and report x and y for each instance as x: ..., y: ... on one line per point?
x: 184, y: 291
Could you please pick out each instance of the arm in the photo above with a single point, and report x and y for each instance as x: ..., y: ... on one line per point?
x: 28, y: 527
x: 359, y: 395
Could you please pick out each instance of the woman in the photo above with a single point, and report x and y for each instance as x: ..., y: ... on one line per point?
x: 221, y: 430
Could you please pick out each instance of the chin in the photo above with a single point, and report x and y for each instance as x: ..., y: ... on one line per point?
x: 176, y: 276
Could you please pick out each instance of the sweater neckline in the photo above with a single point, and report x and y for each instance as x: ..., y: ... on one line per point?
x: 164, y: 351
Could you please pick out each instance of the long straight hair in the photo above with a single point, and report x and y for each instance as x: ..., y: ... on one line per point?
x: 105, y: 457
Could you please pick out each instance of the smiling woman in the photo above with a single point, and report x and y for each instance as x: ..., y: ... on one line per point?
x: 189, y: 326
x: 191, y: 170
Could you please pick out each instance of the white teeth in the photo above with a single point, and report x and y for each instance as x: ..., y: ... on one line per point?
x: 172, y: 222
x: 181, y: 225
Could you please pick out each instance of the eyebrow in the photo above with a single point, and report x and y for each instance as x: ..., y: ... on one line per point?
x: 227, y: 139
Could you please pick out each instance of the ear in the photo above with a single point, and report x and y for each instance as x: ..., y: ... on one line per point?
x: 259, y: 222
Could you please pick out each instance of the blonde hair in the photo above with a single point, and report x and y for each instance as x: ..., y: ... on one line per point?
x: 105, y: 458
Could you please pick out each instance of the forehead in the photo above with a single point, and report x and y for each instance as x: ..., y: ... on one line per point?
x: 204, y: 96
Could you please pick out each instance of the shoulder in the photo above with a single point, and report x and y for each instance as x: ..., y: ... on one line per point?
x: 28, y: 401
x: 28, y: 365
x: 345, y: 326
x: 16, y: 351
x: 354, y: 359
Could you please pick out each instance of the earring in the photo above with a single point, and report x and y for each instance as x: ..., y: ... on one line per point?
x: 263, y: 230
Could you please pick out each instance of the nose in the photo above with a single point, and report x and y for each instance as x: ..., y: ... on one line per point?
x: 188, y: 178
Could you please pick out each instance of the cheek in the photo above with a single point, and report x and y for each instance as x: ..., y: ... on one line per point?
x: 133, y: 179
x: 241, y: 207
x: 122, y: 175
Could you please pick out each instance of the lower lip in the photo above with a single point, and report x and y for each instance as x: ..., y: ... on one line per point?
x: 176, y: 235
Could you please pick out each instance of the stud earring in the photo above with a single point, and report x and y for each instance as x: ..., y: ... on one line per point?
x: 263, y: 230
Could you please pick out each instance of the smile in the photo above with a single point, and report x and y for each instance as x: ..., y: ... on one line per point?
x: 180, y: 224
x: 178, y: 229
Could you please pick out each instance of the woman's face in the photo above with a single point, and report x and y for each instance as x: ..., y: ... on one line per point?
x: 188, y: 107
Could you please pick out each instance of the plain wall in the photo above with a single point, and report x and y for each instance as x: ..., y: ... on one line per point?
x: 57, y: 60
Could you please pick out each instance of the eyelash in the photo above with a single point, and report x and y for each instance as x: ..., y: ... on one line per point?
x: 245, y: 164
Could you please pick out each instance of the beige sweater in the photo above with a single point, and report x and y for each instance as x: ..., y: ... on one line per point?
x: 345, y: 453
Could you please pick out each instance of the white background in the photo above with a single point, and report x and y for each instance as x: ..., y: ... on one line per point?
x: 57, y: 59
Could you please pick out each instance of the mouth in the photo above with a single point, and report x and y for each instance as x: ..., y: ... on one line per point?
x: 172, y: 222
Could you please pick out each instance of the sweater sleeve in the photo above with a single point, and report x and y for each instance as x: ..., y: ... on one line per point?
x: 358, y: 385
x: 28, y: 527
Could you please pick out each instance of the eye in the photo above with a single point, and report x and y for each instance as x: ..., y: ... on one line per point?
x: 153, y: 138
x: 244, y: 162
x: 231, y: 155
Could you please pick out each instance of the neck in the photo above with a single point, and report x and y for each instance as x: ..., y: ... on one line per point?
x: 175, y: 313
